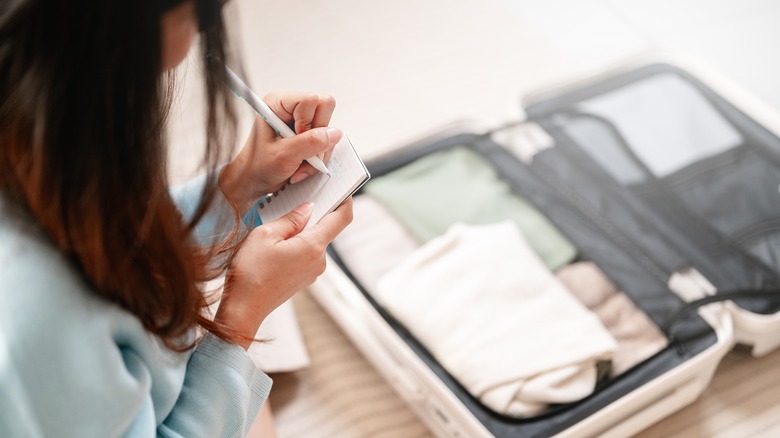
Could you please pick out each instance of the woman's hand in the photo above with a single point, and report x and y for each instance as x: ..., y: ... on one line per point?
x: 266, y: 162
x: 276, y: 261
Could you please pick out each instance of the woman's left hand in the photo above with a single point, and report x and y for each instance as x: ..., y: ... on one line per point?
x: 267, y: 161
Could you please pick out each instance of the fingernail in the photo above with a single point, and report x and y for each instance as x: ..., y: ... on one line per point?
x: 334, y: 135
x: 305, y: 208
x: 298, y: 177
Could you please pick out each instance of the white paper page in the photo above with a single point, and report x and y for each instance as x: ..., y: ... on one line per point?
x: 347, y: 174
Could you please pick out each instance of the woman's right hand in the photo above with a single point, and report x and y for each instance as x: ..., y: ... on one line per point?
x: 275, y: 261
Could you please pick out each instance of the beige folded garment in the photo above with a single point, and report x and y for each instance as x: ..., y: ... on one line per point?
x: 637, y: 336
x: 497, y: 319
x: 373, y: 243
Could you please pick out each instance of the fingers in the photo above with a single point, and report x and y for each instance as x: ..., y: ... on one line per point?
x: 306, y: 110
x: 302, y: 146
x: 282, y: 159
x: 306, y: 170
x: 313, y: 142
x: 324, y: 231
x: 292, y: 223
x: 313, y: 111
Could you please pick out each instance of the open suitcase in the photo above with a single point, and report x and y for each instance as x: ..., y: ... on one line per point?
x: 692, y: 240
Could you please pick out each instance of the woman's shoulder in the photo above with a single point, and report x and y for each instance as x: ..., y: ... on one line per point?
x: 29, y: 264
x: 47, y: 302
x: 41, y: 291
x: 55, y: 332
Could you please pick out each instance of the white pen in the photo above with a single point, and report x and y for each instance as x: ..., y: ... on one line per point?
x: 243, y: 91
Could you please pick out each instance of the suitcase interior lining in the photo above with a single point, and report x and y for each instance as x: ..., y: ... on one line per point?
x: 636, y: 236
x: 732, y: 254
x: 593, y: 245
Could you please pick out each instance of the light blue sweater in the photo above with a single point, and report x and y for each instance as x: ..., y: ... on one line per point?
x: 75, y: 365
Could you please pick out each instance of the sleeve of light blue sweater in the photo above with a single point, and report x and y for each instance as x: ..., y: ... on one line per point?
x: 221, y: 395
x: 75, y: 365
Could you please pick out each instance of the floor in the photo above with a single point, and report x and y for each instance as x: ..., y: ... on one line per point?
x: 400, y: 70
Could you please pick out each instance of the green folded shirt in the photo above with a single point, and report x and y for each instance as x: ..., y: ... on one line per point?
x: 458, y: 185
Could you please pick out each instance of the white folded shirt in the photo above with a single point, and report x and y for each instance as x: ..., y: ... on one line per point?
x: 484, y: 304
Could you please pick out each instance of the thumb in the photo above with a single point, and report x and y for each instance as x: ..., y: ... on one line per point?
x: 314, y: 141
x: 293, y: 222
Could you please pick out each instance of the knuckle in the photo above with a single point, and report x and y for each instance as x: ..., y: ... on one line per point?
x: 309, y: 99
x: 327, y: 100
x: 321, y: 266
x: 315, y: 264
x: 313, y: 269
x: 302, y: 126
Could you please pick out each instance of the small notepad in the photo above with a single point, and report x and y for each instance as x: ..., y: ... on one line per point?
x: 327, y: 192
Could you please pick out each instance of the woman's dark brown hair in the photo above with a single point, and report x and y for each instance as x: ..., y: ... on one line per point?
x: 83, y: 102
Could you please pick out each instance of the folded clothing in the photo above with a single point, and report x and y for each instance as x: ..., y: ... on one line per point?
x: 373, y: 243
x: 487, y: 308
x: 458, y: 185
x: 637, y: 336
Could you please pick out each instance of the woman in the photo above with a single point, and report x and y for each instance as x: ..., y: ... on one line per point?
x: 99, y: 269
